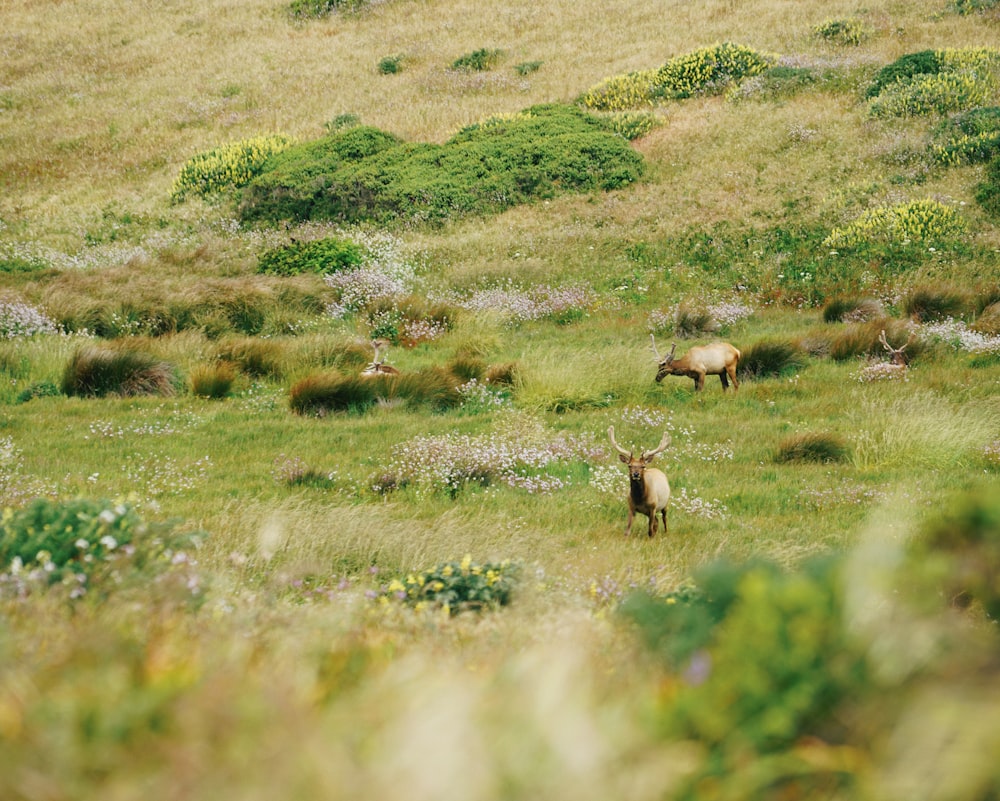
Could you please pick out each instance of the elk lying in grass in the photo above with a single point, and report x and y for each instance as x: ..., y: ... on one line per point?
x: 719, y: 358
x: 649, y: 490
x: 896, y: 355
x: 378, y: 366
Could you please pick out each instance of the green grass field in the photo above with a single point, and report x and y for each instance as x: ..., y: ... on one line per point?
x: 241, y: 571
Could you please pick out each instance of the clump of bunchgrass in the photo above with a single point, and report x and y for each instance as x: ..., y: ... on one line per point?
x: 96, y: 371
x: 937, y: 302
x: 212, y: 380
x: 252, y: 356
x: 852, y: 310
x: 293, y: 471
x: 770, y: 359
x: 813, y: 447
x: 862, y: 339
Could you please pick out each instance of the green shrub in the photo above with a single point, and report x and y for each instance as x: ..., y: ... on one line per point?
x: 390, y: 65
x: 960, y: 550
x: 364, y: 174
x: 926, y: 62
x: 770, y: 359
x: 762, y: 661
x: 18, y: 264
x: 95, y: 372
x: 815, y: 447
x: 940, y: 81
x: 633, y: 90
x: 964, y: 7
x: 78, y: 543
x: 924, y: 222
x: 212, y: 380
x: 772, y: 84
x: 39, y: 389
x: 319, y: 256
x: 988, y: 191
x: 228, y: 167
x: 478, y: 60
x: 842, y: 31
x: 527, y: 67
x: 456, y: 586
x: 317, y: 9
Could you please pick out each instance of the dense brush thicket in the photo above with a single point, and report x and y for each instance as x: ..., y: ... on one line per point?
x: 367, y: 174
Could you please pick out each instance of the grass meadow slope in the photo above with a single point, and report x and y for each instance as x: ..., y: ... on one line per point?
x: 233, y: 567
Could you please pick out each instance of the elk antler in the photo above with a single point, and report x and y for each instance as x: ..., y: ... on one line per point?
x: 647, y: 455
x: 617, y: 447
x: 656, y: 353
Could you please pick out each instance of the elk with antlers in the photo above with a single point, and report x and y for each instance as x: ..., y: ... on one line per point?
x: 719, y: 358
x: 378, y: 366
x: 896, y: 355
x: 649, y: 490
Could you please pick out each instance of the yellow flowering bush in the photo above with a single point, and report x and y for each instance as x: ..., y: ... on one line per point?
x: 968, y: 149
x: 711, y: 69
x: 954, y: 79
x: 842, y: 31
x: 227, y: 167
x: 707, y: 70
x: 922, y: 221
x: 623, y: 92
x: 456, y: 586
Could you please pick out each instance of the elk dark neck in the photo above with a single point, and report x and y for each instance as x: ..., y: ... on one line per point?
x: 637, y: 489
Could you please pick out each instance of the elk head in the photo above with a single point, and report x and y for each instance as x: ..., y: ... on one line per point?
x: 649, y: 490
x: 896, y: 355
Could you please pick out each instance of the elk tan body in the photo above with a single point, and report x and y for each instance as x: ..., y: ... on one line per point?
x: 649, y: 490
x: 719, y: 358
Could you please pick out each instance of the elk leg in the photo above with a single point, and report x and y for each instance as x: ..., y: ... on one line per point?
x: 724, y: 380
x: 628, y: 524
x: 652, y: 524
x: 732, y: 375
x: 663, y: 512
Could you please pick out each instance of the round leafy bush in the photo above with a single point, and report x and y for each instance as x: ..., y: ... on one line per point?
x: 364, y: 174
x: 390, y: 65
x: 227, y: 167
x: 317, y: 9
x: 319, y: 256
x: 926, y: 62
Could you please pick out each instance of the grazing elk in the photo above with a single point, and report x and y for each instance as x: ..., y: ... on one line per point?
x: 649, y: 490
x: 719, y: 358
x: 378, y: 367
x: 896, y: 355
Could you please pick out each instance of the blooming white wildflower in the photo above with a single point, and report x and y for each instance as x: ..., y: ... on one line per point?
x: 108, y: 542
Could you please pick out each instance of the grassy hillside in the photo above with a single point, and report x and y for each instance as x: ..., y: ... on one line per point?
x: 230, y: 567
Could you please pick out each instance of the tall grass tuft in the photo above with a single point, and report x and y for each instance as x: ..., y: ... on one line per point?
x: 937, y: 302
x: 861, y: 340
x: 257, y: 358
x: 813, y: 447
x: 770, y: 359
x: 320, y: 394
x: 852, y: 310
x: 96, y: 371
x: 212, y: 380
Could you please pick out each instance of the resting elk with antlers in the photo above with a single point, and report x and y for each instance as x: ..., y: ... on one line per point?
x: 378, y: 367
x: 896, y: 355
x: 719, y: 358
x: 649, y: 490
